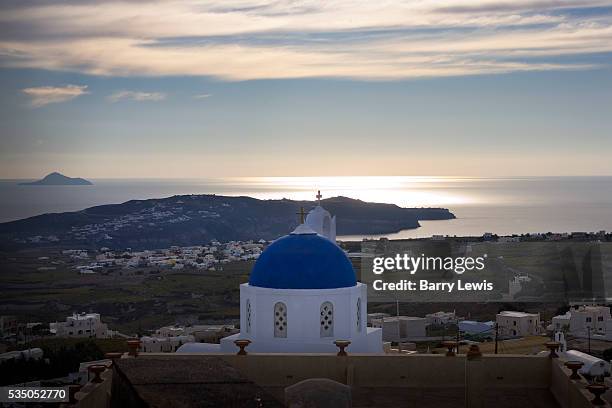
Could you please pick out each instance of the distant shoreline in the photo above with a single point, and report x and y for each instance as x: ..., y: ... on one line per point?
x: 503, y: 206
x: 191, y: 219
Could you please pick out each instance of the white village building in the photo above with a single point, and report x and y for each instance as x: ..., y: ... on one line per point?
x: 170, y: 331
x: 518, y: 324
x: 155, y: 344
x: 81, y: 325
x: 583, y: 321
x: 442, y: 318
x: 402, y: 328
x: 516, y: 285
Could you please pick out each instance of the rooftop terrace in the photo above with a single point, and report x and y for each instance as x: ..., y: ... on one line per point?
x: 390, y: 380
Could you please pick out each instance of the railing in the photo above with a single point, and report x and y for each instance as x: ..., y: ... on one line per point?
x: 575, y: 392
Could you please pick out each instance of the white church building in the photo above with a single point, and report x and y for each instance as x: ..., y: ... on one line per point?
x: 302, y: 295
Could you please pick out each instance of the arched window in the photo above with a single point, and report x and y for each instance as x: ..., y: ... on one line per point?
x: 327, y: 319
x: 358, y: 314
x: 280, y: 320
x: 248, y: 315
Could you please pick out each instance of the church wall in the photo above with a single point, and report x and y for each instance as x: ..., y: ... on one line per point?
x: 303, y: 319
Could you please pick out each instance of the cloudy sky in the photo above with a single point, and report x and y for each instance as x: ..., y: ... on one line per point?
x: 235, y: 88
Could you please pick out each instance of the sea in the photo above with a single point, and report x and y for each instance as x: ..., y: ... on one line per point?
x: 502, y: 206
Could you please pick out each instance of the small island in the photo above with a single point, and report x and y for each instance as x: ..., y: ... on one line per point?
x: 57, y: 179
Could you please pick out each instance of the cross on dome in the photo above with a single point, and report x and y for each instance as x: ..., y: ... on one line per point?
x: 319, y: 197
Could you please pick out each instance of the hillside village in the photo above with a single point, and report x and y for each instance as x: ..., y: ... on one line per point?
x: 204, y: 257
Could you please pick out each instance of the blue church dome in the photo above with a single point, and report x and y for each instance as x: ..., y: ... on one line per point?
x: 303, y: 261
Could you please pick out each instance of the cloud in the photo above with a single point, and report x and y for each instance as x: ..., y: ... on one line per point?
x: 492, y: 6
x: 243, y: 40
x: 44, y: 95
x: 202, y: 96
x: 137, y: 96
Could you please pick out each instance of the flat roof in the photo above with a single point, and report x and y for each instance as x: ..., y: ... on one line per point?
x: 516, y: 314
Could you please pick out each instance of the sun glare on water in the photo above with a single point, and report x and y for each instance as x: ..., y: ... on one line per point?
x: 404, y: 191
